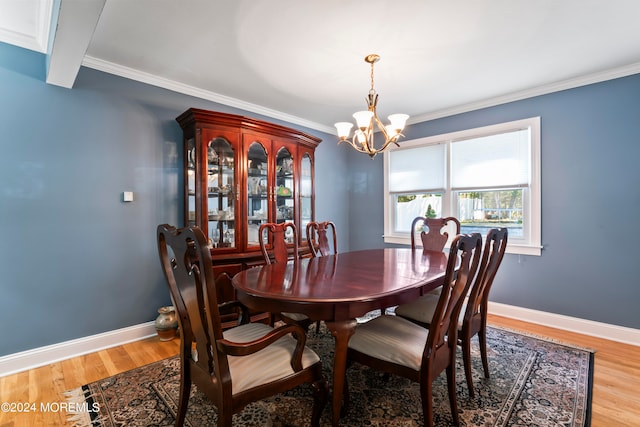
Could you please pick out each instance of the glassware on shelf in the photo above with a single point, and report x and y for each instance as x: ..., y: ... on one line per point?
x: 212, y: 155
x: 252, y: 234
x: 288, y: 235
x: 215, y: 237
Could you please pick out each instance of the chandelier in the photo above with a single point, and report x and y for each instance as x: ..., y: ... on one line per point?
x: 366, y: 121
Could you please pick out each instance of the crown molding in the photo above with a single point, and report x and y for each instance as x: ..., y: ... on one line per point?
x: 133, y: 74
x: 602, y: 76
x: 37, y: 41
x: 141, y: 76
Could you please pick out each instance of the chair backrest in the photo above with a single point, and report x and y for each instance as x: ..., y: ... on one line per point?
x: 442, y: 338
x: 186, y: 261
x: 494, y: 249
x: 280, y: 237
x: 318, y: 238
x: 434, y: 238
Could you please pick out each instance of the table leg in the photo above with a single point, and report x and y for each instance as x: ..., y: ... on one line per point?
x: 341, y: 331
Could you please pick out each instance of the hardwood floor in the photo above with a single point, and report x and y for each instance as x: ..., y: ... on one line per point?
x: 616, y: 389
x: 616, y: 377
x: 46, y: 384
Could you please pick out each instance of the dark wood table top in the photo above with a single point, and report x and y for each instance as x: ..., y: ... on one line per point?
x: 352, y: 277
x: 339, y: 288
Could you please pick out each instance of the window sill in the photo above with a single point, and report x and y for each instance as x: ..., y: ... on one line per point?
x: 512, y: 248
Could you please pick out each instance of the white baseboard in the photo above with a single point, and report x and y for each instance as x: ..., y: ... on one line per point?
x: 586, y: 327
x: 30, y: 359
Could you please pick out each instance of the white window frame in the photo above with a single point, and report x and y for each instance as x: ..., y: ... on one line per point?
x: 531, y: 244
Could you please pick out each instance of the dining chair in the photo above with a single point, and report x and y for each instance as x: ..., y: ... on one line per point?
x: 275, y: 246
x: 229, y: 366
x: 436, y: 236
x: 473, y: 315
x: 318, y: 238
x: 320, y: 244
x: 397, y: 346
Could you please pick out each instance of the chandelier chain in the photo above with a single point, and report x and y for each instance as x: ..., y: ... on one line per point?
x: 372, y: 90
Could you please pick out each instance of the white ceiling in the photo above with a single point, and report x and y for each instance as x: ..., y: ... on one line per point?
x: 302, y: 61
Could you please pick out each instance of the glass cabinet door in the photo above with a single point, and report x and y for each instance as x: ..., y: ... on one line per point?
x: 257, y: 191
x: 239, y: 173
x: 284, y: 187
x: 221, y: 193
x: 306, y: 194
x: 191, y: 182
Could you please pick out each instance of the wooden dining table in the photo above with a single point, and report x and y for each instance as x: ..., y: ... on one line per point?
x: 340, y: 288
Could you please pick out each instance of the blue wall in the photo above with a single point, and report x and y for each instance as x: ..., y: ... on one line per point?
x: 590, y: 149
x: 74, y: 259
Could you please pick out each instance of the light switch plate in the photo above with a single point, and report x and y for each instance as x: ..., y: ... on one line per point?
x: 127, y: 196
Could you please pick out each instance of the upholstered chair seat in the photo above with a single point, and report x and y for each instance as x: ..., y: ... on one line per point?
x: 296, y: 317
x: 422, y: 309
x: 392, y: 339
x: 274, y: 360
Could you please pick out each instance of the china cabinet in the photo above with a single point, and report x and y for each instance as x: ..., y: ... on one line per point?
x: 240, y: 172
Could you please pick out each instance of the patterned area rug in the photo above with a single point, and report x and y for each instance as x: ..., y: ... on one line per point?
x: 533, y: 382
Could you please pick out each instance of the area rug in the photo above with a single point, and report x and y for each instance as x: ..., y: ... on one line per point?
x: 534, y: 382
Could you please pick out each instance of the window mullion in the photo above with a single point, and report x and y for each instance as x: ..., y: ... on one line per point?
x: 449, y: 199
x: 493, y: 187
x: 418, y: 191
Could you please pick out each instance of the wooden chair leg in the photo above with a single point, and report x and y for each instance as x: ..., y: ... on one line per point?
x: 183, y: 399
x: 482, y: 339
x: 320, y: 398
x: 224, y: 419
x: 426, y: 391
x: 466, y: 361
x: 451, y: 385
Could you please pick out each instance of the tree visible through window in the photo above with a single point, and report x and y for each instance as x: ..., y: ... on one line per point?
x: 478, y: 211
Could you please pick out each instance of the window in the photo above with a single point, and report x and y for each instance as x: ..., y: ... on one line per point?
x: 486, y: 177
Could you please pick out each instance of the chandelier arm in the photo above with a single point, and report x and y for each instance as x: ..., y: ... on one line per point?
x: 386, y: 144
x: 396, y: 138
x: 363, y: 143
x: 380, y: 125
x: 368, y: 144
x: 354, y: 146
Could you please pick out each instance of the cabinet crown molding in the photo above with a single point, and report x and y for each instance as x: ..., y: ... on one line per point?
x: 196, y: 115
